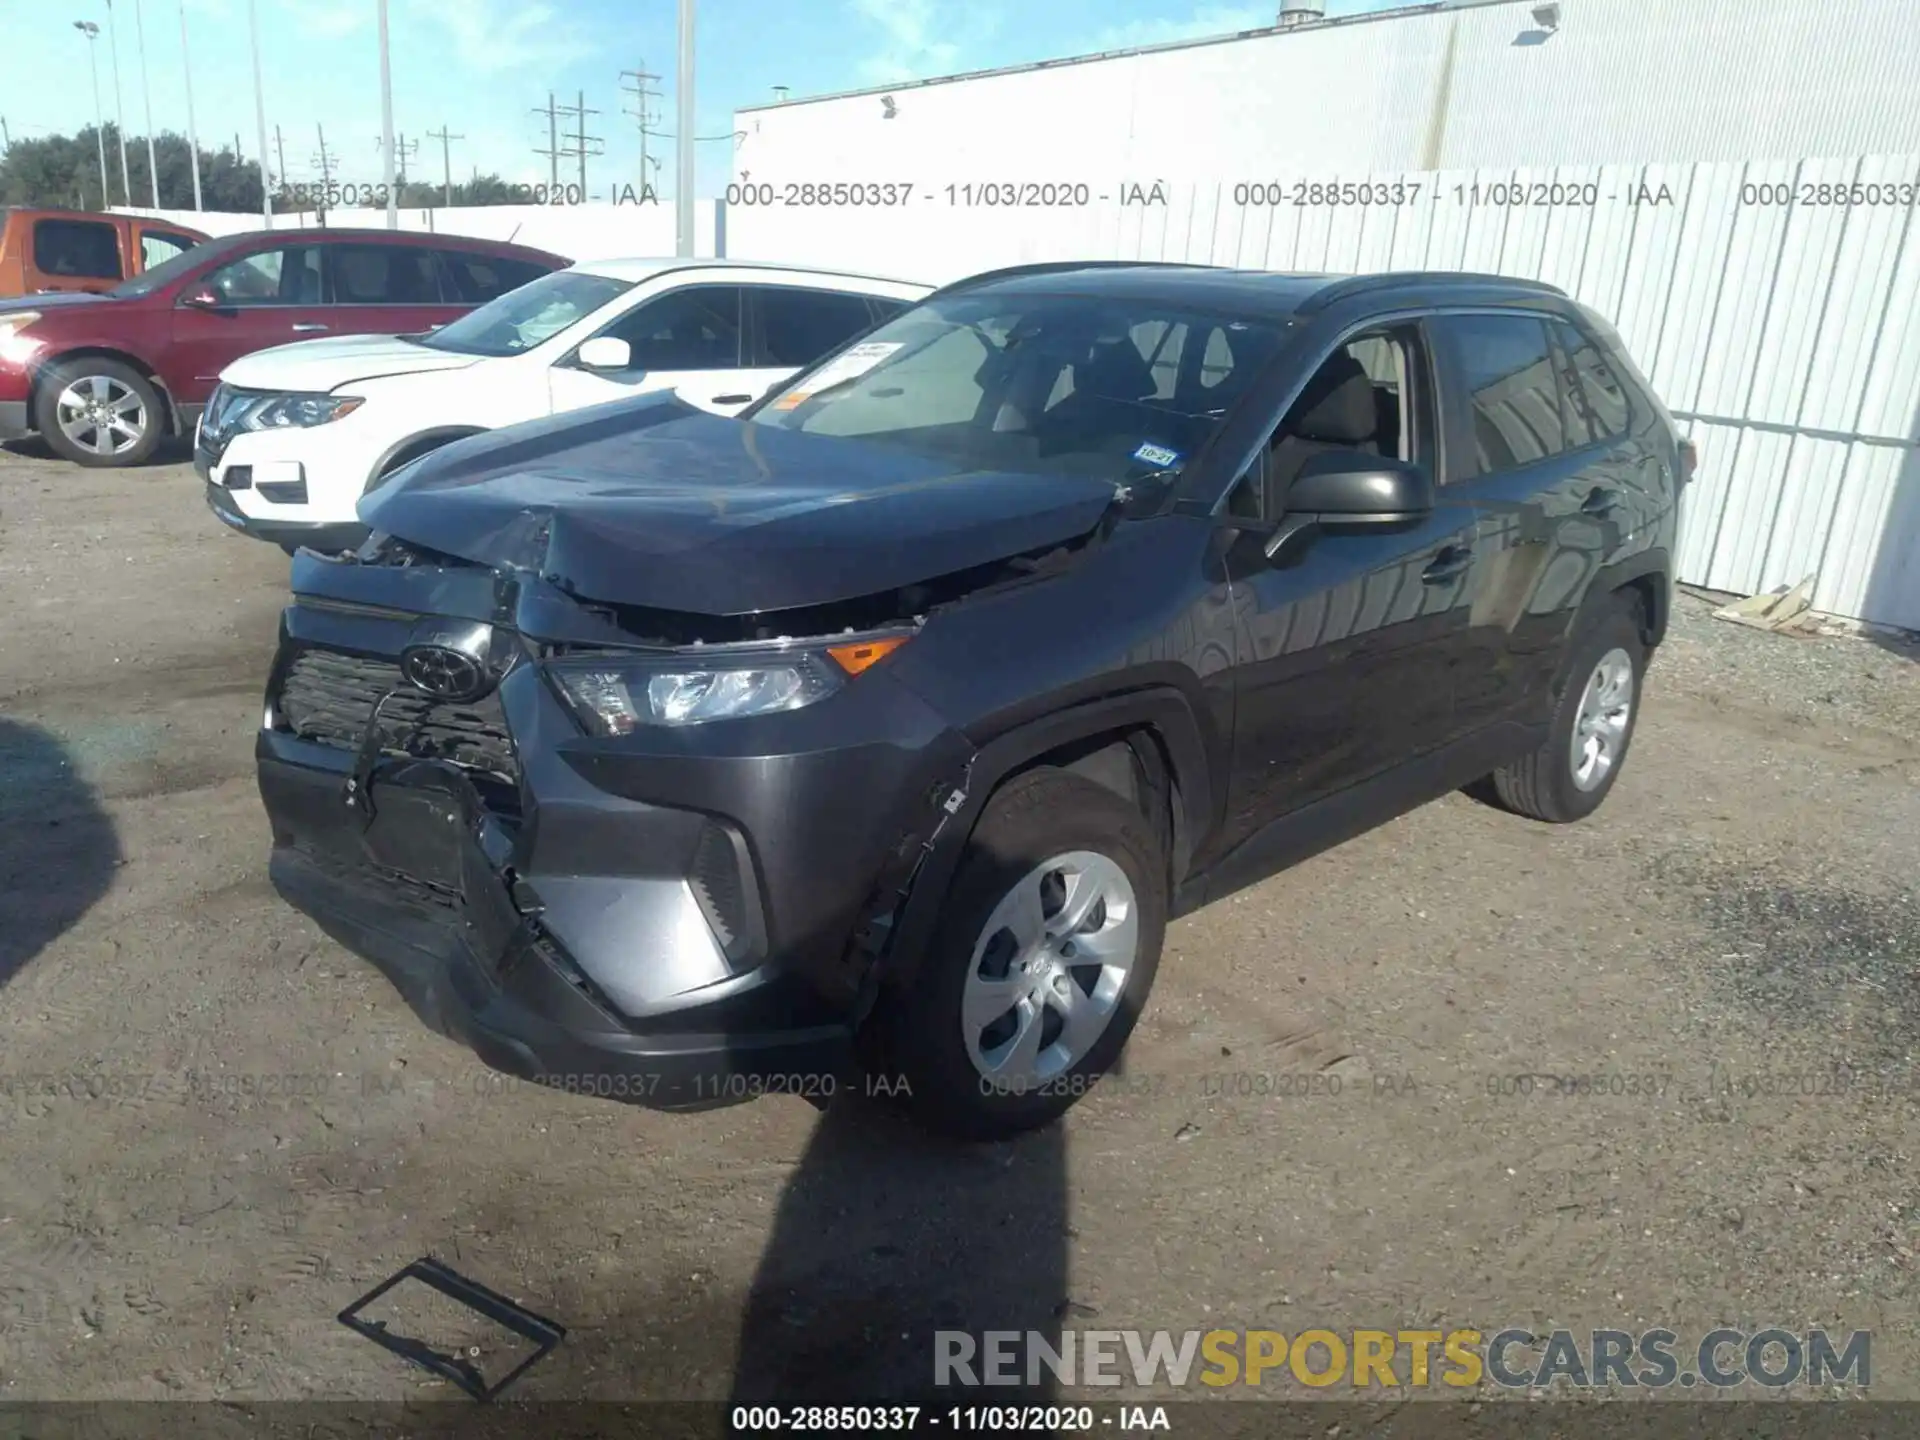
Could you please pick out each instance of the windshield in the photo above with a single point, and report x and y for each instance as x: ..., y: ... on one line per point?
x: 168, y: 271
x: 1120, y: 388
x: 521, y: 319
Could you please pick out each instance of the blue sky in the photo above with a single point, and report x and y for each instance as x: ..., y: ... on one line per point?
x: 479, y: 68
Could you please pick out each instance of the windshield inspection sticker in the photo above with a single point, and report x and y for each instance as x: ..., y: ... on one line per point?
x: 1156, y: 455
x: 850, y: 366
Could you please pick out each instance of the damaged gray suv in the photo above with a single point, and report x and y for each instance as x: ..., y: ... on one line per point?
x: 679, y: 759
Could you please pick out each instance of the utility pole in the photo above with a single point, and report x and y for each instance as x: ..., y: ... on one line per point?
x: 193, y: 135
x: 552, y: 152
x: 446, y: 161
x: 642, y: 91
x: 324, y: 162
x: 683, y: 160
x: 259, y: 111
x: 280, y: 149
x: 581, y: 139
x: 404, y: 149
x: 6, y: 135
x: 386, y: 120
x: 92, y: 32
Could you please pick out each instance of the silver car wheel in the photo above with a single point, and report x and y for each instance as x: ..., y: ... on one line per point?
x: 1048, y: 970
x: 1600, y: 728
x: 101, y: 414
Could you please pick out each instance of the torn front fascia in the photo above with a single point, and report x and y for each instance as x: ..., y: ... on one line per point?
x: 868, y: 949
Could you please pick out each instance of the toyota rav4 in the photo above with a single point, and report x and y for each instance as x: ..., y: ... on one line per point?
x: 678, y: 758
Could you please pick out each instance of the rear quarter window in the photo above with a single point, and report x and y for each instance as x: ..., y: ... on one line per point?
x: 76, y: 249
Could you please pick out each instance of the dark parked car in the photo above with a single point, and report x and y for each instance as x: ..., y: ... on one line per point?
x: 677, y: 758
x: 104, y: 377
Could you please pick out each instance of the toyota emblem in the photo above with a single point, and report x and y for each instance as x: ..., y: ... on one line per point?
x: 443, y: 673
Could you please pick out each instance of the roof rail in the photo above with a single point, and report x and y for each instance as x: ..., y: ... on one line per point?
x: 1394, y: 279
x: 1057, y: 267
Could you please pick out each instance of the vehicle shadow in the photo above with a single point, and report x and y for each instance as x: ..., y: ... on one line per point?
x: 58, y: 846
x: 886, y: 1236
x: 172, y: 450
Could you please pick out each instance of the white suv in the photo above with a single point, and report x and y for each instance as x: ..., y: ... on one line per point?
x: 295, y: 435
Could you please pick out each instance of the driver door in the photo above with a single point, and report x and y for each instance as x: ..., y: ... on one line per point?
x: 686, y: 340
x: 1345, y: 646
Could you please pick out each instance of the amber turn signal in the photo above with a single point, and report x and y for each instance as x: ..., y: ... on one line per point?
x: 855, y: 658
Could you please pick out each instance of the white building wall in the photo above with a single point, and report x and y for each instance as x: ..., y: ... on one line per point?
x: 1786, y: 337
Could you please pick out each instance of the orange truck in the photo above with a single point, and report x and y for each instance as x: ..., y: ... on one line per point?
x: 48, y: 250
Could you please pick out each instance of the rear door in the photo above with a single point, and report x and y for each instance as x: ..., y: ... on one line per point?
x: 74, y: 254
x: 790, y: 327
x: 380, y: 289
x: 687, y: 340
x: 273, y: 295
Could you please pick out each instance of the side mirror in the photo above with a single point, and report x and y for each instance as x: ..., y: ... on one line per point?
x: 1351, y: 492
x: 1348, y: 488
x: 604, y: 352
x: 205, y: 298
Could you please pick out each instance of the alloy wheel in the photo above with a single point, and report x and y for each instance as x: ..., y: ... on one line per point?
x: 1600, y: 727
x: 102, y: 414
x: 1048, y: 970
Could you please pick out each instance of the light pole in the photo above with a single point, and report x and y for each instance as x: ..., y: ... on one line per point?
x: 119, y: 114
x: 386, y: 121
x: 146, y: 98
x: 683, y: 169
x: 193, y: 135
x: 92, y: 32
x: 260, y: 111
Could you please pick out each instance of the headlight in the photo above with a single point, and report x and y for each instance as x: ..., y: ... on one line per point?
x: 614, y: 695
x: 300, y: 412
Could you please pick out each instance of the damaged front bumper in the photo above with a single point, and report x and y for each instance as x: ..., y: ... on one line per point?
x: 677, y: 918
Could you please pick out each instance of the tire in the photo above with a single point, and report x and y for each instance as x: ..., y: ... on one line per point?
x: 1557, y: 783
x: 125, y: 393
x: 1068, y: 826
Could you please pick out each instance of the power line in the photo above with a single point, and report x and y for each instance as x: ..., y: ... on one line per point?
x: 446, y: 162
x: 403, y: 151
x: 580, y: 140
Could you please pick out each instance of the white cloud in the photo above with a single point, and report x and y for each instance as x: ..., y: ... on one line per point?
x: 1207, y: 20
x: 921, y: 38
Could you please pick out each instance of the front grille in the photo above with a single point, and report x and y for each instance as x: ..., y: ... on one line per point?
x: 328, y: 696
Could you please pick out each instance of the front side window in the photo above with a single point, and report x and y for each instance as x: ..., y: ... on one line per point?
x: 76, y: 249
x: 1372, y: 395
x: 523, y: 318
x: 157, y: 247
x: 285, y: 276
x: 695, y: 328
x: 1506, y: 367
x: 1127, y: 389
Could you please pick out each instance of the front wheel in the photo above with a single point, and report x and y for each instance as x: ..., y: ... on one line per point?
x: 1048, y: 944
x: 100, y: 413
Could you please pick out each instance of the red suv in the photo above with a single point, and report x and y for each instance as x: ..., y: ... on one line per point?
x: 103, y: 378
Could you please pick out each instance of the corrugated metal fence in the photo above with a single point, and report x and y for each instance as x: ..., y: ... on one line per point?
x: 1776, y: 306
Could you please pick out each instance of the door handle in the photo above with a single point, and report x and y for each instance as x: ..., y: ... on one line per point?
x: 1450, y: 564
x: 303, y: 329
x: 731, y: 400
x: 1603, y: 501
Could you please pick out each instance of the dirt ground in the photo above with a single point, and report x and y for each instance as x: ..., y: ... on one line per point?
x: 218, y: 1128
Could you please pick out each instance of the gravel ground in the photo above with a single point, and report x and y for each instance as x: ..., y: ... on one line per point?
x: 219, y: 1128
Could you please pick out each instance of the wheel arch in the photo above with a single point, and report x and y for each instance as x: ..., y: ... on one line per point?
x: 413, y: 446
x: 44, y: 371
x: 1144, y: 745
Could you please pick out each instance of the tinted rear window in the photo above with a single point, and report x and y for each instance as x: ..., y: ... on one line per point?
x: 474, y: 278
x: 797, y: 327
x: 76, y: 249
x: 1507, y: 368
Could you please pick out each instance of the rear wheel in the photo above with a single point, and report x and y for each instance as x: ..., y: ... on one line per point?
x: 1569, y: 776
x: 1048, y: 944
x: 100, y: 413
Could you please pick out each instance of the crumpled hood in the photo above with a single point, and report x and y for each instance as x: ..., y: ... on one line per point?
x: 317, y: 366
x: 650, y: 502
